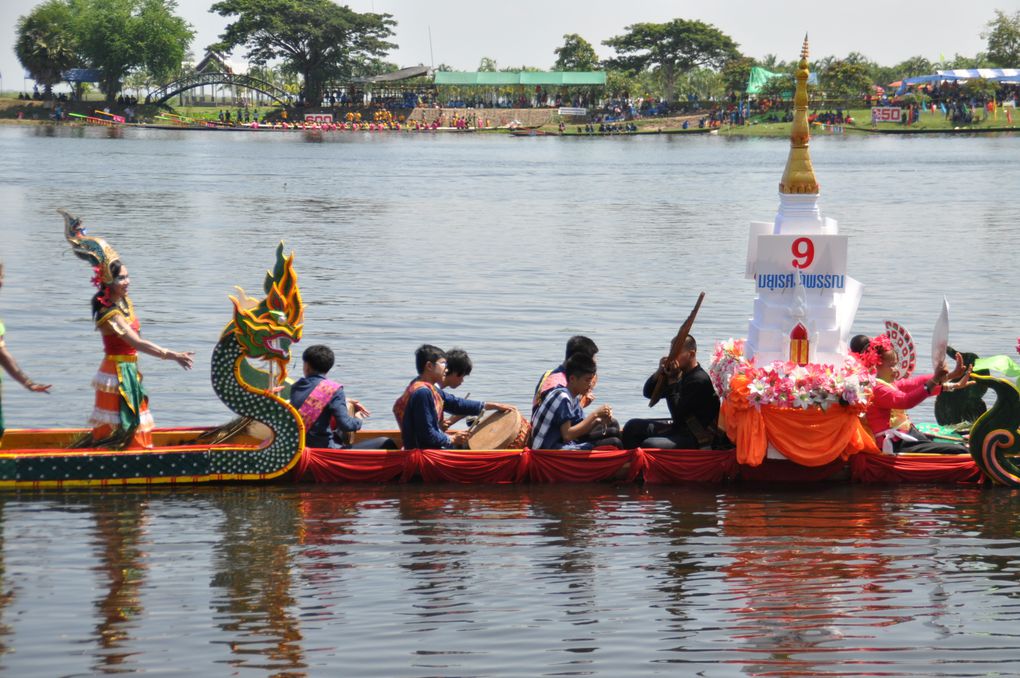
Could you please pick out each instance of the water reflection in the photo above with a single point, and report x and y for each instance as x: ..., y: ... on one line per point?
x: 118, y: 541
x: 437, y: 554
x: 6, y: 594
x: 253, y: 578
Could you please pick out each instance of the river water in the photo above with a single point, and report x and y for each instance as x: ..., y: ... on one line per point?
x: 506, y: 247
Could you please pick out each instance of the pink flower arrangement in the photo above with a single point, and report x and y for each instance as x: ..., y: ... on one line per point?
x: 786, y: 384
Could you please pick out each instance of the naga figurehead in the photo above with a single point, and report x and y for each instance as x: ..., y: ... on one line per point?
x: 266, y: 329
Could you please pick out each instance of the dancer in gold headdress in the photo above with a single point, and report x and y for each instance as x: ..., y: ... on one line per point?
x: 121, y: 416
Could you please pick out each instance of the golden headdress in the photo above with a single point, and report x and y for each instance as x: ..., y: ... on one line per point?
x: 95, y: 251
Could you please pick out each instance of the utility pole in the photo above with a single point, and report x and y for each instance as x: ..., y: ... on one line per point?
x: 432, y: 56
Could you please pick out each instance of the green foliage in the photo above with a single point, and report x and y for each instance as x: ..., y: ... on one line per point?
x: 576, y: 54
x: 960, y: 61
x: 317, y: 39
x: 914, y: 66
x: 487, y: 65
x: 119, y: 36
x: 672, y: 48
x: 771, y: 62
x: 703, y: 83
x: 780, y: 87
x: 979, y: 88
x: 1003, y: 37
x: 736, y: 72
x: 46, y: 44
x: 844, y: 79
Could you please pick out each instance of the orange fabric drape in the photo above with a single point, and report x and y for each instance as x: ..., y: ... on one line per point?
x: 811, y: 437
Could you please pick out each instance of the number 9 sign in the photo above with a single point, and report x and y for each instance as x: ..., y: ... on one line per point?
x: 803, y: 250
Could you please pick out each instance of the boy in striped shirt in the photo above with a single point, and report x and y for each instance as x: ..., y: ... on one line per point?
x: 559, y: 422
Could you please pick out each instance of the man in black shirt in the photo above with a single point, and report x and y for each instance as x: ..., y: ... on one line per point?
x: 692, y: 403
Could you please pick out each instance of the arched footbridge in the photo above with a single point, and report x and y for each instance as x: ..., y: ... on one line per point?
x: 172, y: 89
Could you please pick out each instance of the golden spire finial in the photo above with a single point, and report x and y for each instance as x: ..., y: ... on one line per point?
x: 799, y: 175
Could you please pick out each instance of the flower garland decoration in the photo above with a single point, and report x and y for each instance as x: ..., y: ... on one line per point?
x: 871, y: 357
x: 786, y: 384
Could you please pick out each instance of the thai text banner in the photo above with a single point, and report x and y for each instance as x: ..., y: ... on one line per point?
x: 818, y: 262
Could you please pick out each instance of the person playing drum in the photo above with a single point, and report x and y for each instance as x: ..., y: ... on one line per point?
x: 560, y: 422
x: 419, y: 410
x: 458, y: 367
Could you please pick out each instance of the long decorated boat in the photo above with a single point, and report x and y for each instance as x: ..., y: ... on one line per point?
x: 775, y: 443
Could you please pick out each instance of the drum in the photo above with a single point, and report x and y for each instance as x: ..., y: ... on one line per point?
x: 346, y: 438
x: 500, y: 431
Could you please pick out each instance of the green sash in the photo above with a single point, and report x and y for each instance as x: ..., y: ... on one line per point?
x: 132, y: 395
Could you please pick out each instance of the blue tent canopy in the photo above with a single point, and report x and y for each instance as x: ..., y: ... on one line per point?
x: 952, y: 75
x: 83, y: 75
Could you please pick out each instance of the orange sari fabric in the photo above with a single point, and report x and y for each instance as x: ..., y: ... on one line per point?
x: 811, y: 437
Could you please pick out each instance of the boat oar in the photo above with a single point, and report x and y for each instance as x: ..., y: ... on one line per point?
x: 676, y: 347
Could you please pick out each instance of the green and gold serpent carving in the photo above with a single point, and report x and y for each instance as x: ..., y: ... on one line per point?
x: 994, y: 438
x: 262, y: 330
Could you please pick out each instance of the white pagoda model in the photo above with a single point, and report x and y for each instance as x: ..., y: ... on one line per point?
x: 805, y: 303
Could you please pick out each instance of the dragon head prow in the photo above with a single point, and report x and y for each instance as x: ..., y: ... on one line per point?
x: 266, y: 329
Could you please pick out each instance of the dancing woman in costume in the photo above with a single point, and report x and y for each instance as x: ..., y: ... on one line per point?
x: 887, y: 413
x: 10, y: 365
x: 121, y: 417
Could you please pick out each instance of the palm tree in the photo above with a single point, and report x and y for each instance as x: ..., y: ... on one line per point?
x: 45, y: 44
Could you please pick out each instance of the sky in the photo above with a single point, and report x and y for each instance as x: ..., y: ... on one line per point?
x: 525, y: 32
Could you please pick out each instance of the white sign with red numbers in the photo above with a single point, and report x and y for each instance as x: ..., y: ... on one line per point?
x: 886, y: 114
x: 816, y: 262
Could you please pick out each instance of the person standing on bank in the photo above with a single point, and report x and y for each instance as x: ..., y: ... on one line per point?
x: 10, y: 366
x: 692, y: 401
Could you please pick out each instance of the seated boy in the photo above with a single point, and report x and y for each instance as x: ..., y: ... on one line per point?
x: 578, y: 344
x: 321, y: 402
x: 559, y: 423
x: 458, y: 367
x: 557, y: 377
x: 419, y: 410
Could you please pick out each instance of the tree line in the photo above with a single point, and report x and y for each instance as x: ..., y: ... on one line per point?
x: 317, y: 42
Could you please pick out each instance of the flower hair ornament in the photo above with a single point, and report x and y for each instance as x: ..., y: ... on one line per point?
x: 95, y: 251
x: 871, y: 357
